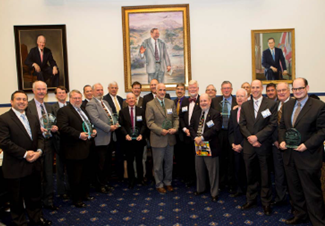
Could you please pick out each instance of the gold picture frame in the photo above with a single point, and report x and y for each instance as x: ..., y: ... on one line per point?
x: 173, y: 24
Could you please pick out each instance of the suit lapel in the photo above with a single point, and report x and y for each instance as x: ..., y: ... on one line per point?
x: 271, y: 54
x: 19, y: 123
x: 262, y: 108
x: 151, y: 47
x: 127, y: 114
x: 76, y: 113
x: 160, y: 107
x: 304, y: 110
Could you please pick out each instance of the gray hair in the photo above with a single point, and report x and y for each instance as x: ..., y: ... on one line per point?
x: 192, y: 82
x: 74, y: 91
x: 39, y: 81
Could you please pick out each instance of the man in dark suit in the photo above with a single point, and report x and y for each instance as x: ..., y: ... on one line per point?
x: 75, y: 143
x: 303, y: 164
x: 211, y: 91
x: 152, y: 95
x: 187, y: 108
x: 22, y: 144
x: 224, y: 104
x: 88, y: 93
x: 236, y: 141
x: 271, y: 91
x: 114, y: 101
x: 136, y: 90
x: 62, y: 183
x: 38, y: 108
x: 133, y: 130
x: 257, y: 124
x: 273, y: 62
x: 40, y: 58
x: 205, y: 125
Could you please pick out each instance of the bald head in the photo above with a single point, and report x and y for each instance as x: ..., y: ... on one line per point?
x: 256, y: 89
x: 241, y: 96
x: 205, y: 101
x: 161, y: 91
x: 283, y: 91
x: 131, y: 99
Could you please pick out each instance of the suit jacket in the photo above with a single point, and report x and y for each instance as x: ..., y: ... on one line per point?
x: 31, y: 109
x: 56, y: 136
x: 84, y: 103
x: 148, y: 97
x: 149, y: 54
x: 126, y: 125
x: 261, y: 127
x: 110, y: 101
x: 234, y: 134
x: 70, y: 125
x: 215, y: 104
x: 100, y: 120
x: 139, y: 103
x: 15, y: 141
x: 183, y: 116
x: 35, y: 57
x: 209, y: 134
x: 311, y: 125
x: 267, y: 60
x: 155, y: 116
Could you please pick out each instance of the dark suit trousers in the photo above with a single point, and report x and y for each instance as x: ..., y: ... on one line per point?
x: 61, y: 177
x: 227, y: 167
x: 47, y: 173
x: 78, y: 173
x: 134, y: 150
x: 115, y: 146
x: 279, y: 175
x: 27, y: 189
x: 104, y: 160
x: 186, y: 156
x: 46, y: 74
x: 254, y: 164
x: 240, y: 172
x: 305, y: 193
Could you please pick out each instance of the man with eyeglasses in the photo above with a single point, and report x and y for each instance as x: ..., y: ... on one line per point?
x: 303, y: 164
x: 211, y: 91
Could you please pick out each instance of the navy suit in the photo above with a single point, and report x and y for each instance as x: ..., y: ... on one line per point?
x: 267, y: 62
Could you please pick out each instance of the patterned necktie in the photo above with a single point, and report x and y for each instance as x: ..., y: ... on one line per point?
x: 295, y: 116
x: 238, y: 114
x: 108, y: 114
x: 42, y: 109
x: 156, y: 52
x: 26, y: 124
x: 178, y: 106
x: 256, y: 108
x: 117, y: 105
x: 273, y: 54
x: 225, y: 115
x: 81, y: 115
x: 132, y: 119
x: 280, y: 113
x: 200, y: 127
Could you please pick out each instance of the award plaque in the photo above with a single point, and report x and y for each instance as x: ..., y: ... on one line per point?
x: 167, y: 124
x: 134, y: 133
x: 48, y: 120
x: 292, y: 138
x: 115, y: 118
x: 222, y: 110
x: 87, y: 127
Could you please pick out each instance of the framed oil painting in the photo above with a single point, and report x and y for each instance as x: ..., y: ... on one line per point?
x: 273, y: 55
x: 156, y: 41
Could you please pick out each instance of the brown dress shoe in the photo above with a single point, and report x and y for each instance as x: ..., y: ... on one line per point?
x: 161, y: 190
x: 169, y: 188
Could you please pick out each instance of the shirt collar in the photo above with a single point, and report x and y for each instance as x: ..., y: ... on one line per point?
x: 229, y: 99
x: 38, y: 103
x: 18, y: 113
x: 303, y: 101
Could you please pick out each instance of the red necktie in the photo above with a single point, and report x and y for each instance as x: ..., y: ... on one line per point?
x: 192, y: 99
x: 132, y: 120
x: 41, y: 55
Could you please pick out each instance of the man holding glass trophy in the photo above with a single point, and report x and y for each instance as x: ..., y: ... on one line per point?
x: 162, y: 120
x: 133, y: 128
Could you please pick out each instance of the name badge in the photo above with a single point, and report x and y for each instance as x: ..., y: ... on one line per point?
x: 169, y: 111
x: 210, y: 123
x: 139, y: 118
x: 266, y: 113
x: 184, y: 109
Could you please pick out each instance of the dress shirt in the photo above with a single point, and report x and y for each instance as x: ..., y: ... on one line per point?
x: 190, y: 109
x: 259, y: 104
x: 153, y: 43
x: 280, y: 105
x: 113, y: 99
x: 302, y: 102
x: 39, y: 110
x: 62, y: 104
x: 81, y: 113
x: 104, y: 105
x: 161, y: 101
x: 133, y: 113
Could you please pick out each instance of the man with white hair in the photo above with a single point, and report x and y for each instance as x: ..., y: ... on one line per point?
x: 114, y: 101
x: 211, y: 91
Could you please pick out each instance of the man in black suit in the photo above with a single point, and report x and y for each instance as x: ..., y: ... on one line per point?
x: 188, y: 107
x: 224, y: 104
x: 211, y: 91
x: 88, y: 93
x: 150, y: 96
x: 273, y: 61
x: 205, y: 125
x: 133, y: 130
x: 38, y: 108
x: 257, y: 124
x: 62, y: 183
x: 75, y: 143
x: 236, y: 141
x: 22, y: 144
x: 40, y: 58
x: 271, y: 91
x: 303, y: 164
x: 114, y: 101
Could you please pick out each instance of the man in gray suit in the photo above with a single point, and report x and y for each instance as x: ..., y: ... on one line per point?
x: 157, y: 58
x: 162, y: 120
x: 100, y: 115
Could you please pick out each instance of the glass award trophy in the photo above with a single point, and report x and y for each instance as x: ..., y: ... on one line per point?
x: 48, y: 120
x: 222, y: 108
x: 167, y: 124
x: 292, y: 138
x: 134, y: 133
x: 88, y: 128
x: 115, y: 118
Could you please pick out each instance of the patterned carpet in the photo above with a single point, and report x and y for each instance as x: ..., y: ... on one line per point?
x: 143, y: 205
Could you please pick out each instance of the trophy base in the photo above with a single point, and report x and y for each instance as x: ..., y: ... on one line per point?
x: 134, y: 138
x: 292, y: 146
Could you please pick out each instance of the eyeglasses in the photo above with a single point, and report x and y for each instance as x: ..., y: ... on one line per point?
x: 298, y: 89
x: 282, y: 90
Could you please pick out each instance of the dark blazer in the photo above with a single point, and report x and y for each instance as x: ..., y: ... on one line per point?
x: 311, y: 125
x: 84, y: 103
x: 125, y: 122
x: 148, y: 97
x: 35, y: 57
x: 215, y: 104
x: 70, y: 127
x: 31, y: 109
x: 261, y: 127
x: 234, y: 134
x: 15, y: 141
x: 110, y: 101
x: 209, y: 134
x: 267, y: 61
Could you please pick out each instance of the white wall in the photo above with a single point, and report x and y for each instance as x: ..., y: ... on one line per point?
x: 220, y: 38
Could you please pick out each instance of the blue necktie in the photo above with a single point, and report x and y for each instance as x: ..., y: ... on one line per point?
x: 27, y: 127
x: 273, y: 54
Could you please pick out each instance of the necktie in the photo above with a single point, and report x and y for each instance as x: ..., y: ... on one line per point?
x: 280, y: 113
x: 192, y: 100
x: 273, y: 54
x: 201, y: 123
x: 42, y: 109
x: 256, y: 108
x: 295, y: 116
x: 81, y: 114
x: 238, y: 114
x: 42, y: 55
x: 162, y: 105
x: 178, y: 106
x: 132, y: 119
x: 108, y: 114
x: 156, y: 51
x: 116, y: 105
x: 225, y: 116
x: 26, y: 124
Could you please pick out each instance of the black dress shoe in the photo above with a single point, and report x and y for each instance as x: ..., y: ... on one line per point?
x: 42, y: 221
x: 89, y: 198
x: 214, y: 198
x: 197, y: 193
x: 109, y: 188
x: 295, y: 220
x: 143, y: 183
x: 267, y: 210
x: 64, y: 197
x: 51, y: 207
x: 103, y: 190
x: 279, y: 203
x: 237, y: 194
x: 80, y: 204
x: 248, y: 205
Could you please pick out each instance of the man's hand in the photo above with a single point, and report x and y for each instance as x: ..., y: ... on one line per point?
x: 139, y: 137
x: 252, y: 139
x: 94, y: 133
x: 257, y: 144
x: 237, y: 148
x: 83, y: 136
x: 54, y: 129
x: 198, y: 140
x: 55, y: 70
x: 285, y: 72
x: 187, y: 132
x: 142, y: 49
x: 283, y: 145
x: 301, y: 148
x: 274, y: 69
x: 32, y: 156
x: 43, y: 130
x: 36, y: 67
x: 113, y: 128
x: 172, y: 131
x: 164, y: 132
x: 235, y: 107
x: 276, y: 144
x: 169, y: 68
x: 127, y: 137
